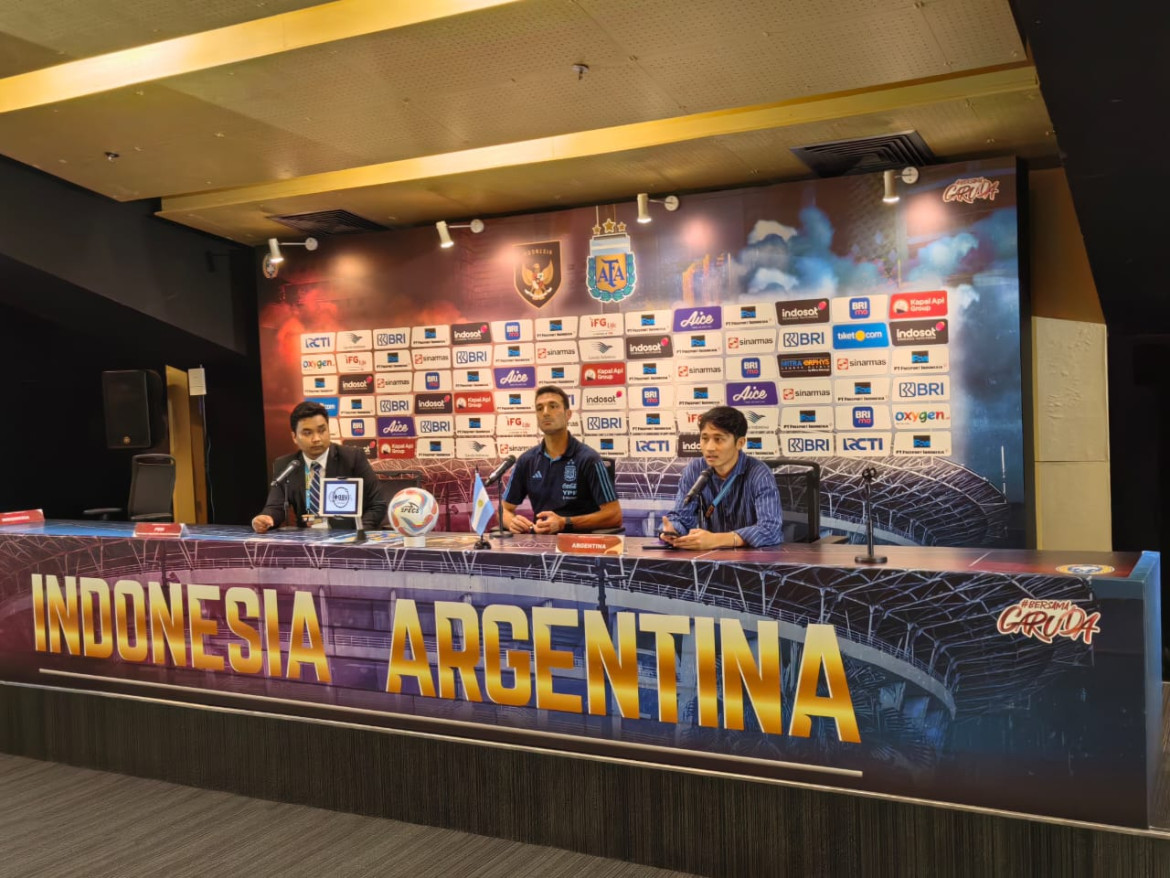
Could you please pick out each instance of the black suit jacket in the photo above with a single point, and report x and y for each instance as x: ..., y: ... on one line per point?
x: 343, y: 462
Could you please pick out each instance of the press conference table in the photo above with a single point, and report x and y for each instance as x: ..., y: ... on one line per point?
x: 942, y: 674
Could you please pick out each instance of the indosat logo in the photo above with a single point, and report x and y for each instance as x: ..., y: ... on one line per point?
x: 802, y: 311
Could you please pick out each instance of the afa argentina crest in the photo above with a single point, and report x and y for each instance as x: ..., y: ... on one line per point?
x: 537, y: 274
x: 611, y: 274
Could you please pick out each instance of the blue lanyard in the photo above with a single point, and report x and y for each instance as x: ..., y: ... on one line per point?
x: 722, y: 493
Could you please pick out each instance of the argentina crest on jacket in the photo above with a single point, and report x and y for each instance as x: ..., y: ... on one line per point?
x: 610, y: 271
x: 537, y: 271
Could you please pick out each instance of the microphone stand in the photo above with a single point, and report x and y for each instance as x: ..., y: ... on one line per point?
x: 867, y: 476
x: 501, y: 532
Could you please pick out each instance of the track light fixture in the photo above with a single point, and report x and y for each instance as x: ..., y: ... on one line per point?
x: 907, y: 175
x: 444, y: 228
x: 274, y: 257
x: 670, y: 202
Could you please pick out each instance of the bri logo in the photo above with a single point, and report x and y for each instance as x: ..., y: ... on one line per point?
x: 432, y: 380
x: 512, y: 331
x: 859, y: 308
x: 750, y: 367
x: 863, y: 416
x: 650, y: 396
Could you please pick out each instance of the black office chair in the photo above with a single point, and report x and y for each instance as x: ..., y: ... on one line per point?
x: 611, y: 471
x: 799, y: 483
x: 152, y: 489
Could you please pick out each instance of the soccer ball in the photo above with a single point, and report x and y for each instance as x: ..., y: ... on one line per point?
x: 413, y: 512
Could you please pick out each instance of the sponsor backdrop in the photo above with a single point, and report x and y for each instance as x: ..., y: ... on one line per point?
x: 849, y: 331
x: 1006, y: 681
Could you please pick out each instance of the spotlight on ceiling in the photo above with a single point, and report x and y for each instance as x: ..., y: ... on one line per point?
x: 670, y: 202
x: 273, y: 258
x: 909, y: 176
x: 444, y: 229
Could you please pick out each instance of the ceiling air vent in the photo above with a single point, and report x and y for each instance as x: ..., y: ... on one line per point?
x: 328, y: 222
x: 865, y: 154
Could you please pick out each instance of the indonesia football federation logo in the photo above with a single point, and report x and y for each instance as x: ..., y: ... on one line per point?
x: 610, y: 271
x: 537, y: 274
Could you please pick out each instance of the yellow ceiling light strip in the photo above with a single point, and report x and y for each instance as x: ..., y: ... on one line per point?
x: 315, y: 25
x: 638, y: 135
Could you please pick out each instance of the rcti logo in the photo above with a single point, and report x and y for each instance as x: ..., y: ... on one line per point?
x: 862, y: 416
x: 512, y: 331
x: 859, y: 308
x: 433, y: 381
x: 864, y: 444
x: 750, y: 367
x: 316, y: 342
x: 650, y: 396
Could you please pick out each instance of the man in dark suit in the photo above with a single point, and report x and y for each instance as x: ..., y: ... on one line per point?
x: 320, y: 459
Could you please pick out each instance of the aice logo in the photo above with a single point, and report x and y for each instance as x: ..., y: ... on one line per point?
x: 866, y: 444
x: 512, y: 331
x: 752, y: 393
x: 921, y: 389
x: 524, y: 376
x: 807, y: 445
x: 468, y: 358
x: 859, y: 308
x: 803, y: 311
x: 920, y: 332
x: 862, y: 416
x: 385, y: 339
x: 690, y: 319
x: 605, y: 422
x: 802, y: 339
x: 357, y: 427
x: 316, y: 342
x: 432, y: 380
x: 750, y: 367
x: 470, y: 333
x: 650, y: 396
x: 652, y: 446
x: 395, y: 427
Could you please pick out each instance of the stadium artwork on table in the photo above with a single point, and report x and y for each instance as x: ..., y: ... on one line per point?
x: 850, y: 332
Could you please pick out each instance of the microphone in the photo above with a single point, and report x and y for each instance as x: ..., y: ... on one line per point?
x: 498, y: 473
x: 287, y: 471
x: 697, y: 487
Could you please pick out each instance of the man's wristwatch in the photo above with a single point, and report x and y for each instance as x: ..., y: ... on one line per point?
x: 568, y: 523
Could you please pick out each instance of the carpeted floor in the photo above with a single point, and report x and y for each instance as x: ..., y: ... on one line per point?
x: 60, y: 821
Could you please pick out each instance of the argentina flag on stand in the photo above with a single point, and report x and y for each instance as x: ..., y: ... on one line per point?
x: 481, y: 507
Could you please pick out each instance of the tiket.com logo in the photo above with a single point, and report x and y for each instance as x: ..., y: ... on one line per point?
x: 1047, y: 620
x: 968, y: 189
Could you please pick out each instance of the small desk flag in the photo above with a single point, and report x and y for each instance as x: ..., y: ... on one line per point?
x: 481, y: 507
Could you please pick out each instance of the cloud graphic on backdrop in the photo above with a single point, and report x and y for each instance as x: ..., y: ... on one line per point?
x: 790, y: 262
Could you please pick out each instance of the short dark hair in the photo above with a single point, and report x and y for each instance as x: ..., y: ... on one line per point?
x: 725, y: 418
x: 552, y: 388
x: 306, y: 410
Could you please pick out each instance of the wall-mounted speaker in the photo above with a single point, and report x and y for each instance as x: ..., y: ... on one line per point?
x: 133, y: 401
